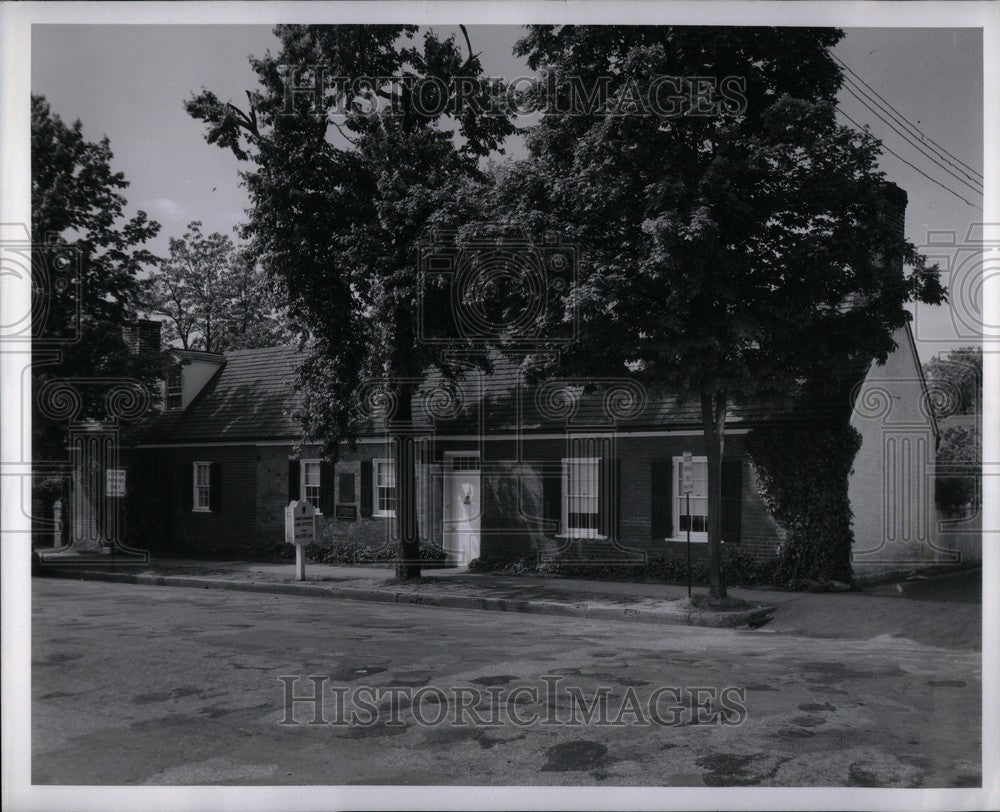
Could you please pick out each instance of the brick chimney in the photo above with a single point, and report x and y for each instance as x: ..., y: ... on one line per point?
x: 142, y: 336
x: 894, y: 202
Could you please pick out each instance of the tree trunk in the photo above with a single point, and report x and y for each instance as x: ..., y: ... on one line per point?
x: 713, y: 415
x: 404, y: 444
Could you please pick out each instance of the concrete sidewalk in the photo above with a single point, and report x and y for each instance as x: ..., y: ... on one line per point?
x: 944, y: 611
x: 452, y: 588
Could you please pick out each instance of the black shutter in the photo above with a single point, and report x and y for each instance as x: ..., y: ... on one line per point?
x: 345, y: 489
x: 661, y: 498
x: 294, y: 471
x: 609, y: 485
x: 215, y: 487
x: 366, y: 488
x: 732, y: 476
x: 552, y: 498
x: 327, y: 488
x: 187, y: 486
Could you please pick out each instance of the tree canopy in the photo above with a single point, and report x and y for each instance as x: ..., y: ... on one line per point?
x: 731, y: 246
x: 214, y: 295
x: 78, y: 205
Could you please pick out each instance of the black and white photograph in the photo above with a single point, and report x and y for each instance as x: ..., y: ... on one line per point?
x: 468, y: 406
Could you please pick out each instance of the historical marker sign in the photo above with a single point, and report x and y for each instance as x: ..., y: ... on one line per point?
x: 300, y: 523
x: 114, y: 482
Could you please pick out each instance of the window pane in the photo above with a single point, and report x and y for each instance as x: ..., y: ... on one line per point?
x: 385, y: 476
x: 310, y: 474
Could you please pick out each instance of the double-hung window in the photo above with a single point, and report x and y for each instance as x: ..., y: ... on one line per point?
x: 697, y: 519
x: 175, y: 389
x: 201, y: 498
x: 384, y: 487
x: 309, y: 482
x: 581, y: 496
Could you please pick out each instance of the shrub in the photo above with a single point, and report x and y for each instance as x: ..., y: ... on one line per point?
x: 352, y: 552
x: 959, y: 449
x: 739, y: 568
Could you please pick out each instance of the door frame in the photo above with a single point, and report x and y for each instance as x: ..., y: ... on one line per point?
x: 447, y: 459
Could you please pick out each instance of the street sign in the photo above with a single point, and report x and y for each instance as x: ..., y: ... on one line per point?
x: 114, y: 482
x: 687, y: 474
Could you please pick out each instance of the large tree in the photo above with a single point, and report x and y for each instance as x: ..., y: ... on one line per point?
x: 734, y: 239
x: 214, y: 295
x: 78, y: 209
x: 346, y: 182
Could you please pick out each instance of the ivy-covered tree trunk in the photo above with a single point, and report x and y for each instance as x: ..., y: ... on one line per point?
x: 803, y: 473
x: 405, y: 456
x: 713, y: 415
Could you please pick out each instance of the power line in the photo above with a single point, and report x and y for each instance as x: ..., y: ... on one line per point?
x: 906, y: 122
x: 900, y: 157
x: 914, y: 144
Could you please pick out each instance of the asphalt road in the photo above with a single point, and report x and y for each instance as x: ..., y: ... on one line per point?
x: 144, y: 685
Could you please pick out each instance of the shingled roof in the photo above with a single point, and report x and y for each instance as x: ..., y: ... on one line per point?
x: 252, y: 398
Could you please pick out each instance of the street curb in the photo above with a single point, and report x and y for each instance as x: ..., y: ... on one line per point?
x: 627, y: 614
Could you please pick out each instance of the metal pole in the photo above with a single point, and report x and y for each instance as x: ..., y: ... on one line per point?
x: 689, y: 543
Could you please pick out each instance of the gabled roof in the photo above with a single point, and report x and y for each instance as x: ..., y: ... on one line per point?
x: 252, y: 397
x: 197, y: 355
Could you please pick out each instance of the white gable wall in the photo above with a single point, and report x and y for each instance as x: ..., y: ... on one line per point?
x: 891, y: 488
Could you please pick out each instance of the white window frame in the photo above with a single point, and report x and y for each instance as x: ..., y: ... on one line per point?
x: 678, y: 499
x: 580, y: 532
x: 451, y: 456
x: 173, y: 391
x: 195, y: 492
x: 386, y: 514
x: 319, y: 483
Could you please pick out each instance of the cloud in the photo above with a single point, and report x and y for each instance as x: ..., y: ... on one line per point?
x: 166, y: 208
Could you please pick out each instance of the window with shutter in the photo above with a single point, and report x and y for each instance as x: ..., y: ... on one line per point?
x: 581, y: 496
x: 309, y: 478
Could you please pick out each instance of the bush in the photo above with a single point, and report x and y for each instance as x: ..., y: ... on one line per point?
x: 738, y: 566
x: 351, y: 552
x: 959, y: 449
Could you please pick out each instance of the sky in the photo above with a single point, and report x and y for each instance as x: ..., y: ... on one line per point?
x: 130, y: 82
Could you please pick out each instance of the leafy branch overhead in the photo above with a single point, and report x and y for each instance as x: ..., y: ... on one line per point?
x: 343, y: 198
x: 214, y: 296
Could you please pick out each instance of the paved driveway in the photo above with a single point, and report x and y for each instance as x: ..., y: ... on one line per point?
x: 179, y: 686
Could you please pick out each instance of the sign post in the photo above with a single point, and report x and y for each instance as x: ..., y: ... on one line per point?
x: 687, y: 485
x: 300, y: 530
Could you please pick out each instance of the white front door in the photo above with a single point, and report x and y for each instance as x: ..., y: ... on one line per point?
x: 462, y: 503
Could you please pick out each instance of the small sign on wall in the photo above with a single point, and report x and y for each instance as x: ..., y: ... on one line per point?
x: 687, y: 474
x: 114, y: 482
x: 347, y: 513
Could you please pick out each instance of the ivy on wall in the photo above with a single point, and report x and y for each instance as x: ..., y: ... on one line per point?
x: 803, y: 473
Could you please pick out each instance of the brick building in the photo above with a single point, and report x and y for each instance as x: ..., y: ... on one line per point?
x: 507, y: 469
